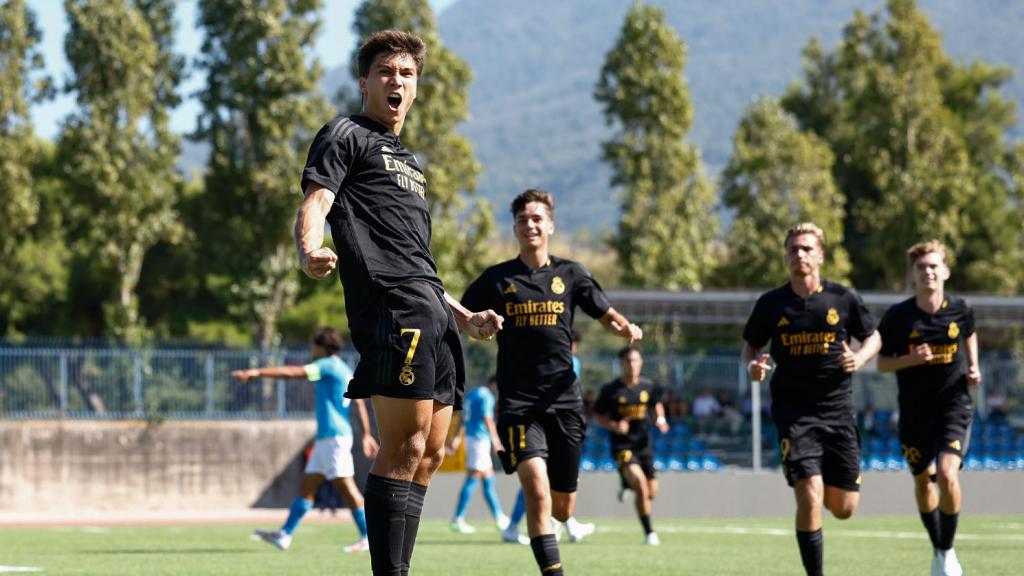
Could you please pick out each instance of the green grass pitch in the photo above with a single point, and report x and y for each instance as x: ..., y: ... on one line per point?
x: 989, y: 545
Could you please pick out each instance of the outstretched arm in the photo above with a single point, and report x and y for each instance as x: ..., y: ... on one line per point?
x: 292, y: 372
x: 618, y: 324
x: 480, y: 325
x: 316, y: 260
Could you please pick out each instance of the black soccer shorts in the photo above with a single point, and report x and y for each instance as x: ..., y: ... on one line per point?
x: 408, y: 346
x: 829, y: 450
x: 555, y: 436
x: 927, y: 431
x: 642, y: 457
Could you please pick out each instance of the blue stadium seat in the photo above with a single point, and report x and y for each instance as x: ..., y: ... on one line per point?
x: 710, y: 463
x: 875, y: 462
x: 660, y: 463
x: 680, y: 429
x: 696, y: 445
x: 606, y: 464
x: 973, y: 462
x: 588, y: 464
x: 676, y: 463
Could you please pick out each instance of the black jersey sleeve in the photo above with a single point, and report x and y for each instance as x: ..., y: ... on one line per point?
x: 480, y: 295
x: 331, y: 155
x: 757, y: 332
x: 603, y: 404
x: 587, y: 293
x: 893, y: 339
x: 968, y: 328
x: 861, y: 323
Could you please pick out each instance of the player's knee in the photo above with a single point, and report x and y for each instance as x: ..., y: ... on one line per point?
x: 431, y: 461
x: 949, y: 480
x: 844, y: 511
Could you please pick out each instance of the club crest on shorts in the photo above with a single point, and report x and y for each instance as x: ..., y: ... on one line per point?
x: 557, y: 286
x: 407, y: 377
x: 832, y: 317
x: 953, y: 331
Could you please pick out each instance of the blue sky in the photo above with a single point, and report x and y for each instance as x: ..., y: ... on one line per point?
x: 333, y: 47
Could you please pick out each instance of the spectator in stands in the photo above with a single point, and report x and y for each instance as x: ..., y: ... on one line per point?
x: 705, y: 405
x: 728, y: 413
x: 995, y: 404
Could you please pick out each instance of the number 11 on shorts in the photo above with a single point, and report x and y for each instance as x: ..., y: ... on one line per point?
x: 407, y: 377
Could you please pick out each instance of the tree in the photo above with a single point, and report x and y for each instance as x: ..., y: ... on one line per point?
x: 778, y: 176
x: 668, y: 223
x: 460, y: 232
x: 919, y: 143
x: 118, y: 155
x: 260, y: 110
x: 31, y: 259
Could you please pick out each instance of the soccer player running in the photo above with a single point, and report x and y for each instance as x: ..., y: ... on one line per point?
x: 930, y: 342
x: 540, y: 418
x: 623, y: 407
x: 481, y: 438
x: 331, y: 459
x: 360, y: 180
x: 808, y: 323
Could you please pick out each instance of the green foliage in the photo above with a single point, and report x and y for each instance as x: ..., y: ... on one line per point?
x: 665, y: 236
x: 460, y: 230
x: 117, y: 153
x: 920, y: 148
x: 260, y: 111
x: 777, y: 177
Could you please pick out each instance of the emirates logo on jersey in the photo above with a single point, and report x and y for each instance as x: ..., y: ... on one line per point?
x: 832, y: 317
x: 953, y: 331
x: 557, y: 286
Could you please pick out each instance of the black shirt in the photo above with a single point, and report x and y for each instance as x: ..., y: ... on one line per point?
x: 806, y: 334
x: 620, y: 402
x: 380, y: 220
x: 904, y: 326
x: 535, y: 342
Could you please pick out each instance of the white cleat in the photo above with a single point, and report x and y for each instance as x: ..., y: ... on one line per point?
x: 950, y: 563
x: 579, y: 530
x: 512, y: 536
x: 652, y: 539
x: 556, y: 527
x: 459, y: 525
x: 361, y: 545
x: 936, y: 563
x: 279, y: 538
x: 502, y: 522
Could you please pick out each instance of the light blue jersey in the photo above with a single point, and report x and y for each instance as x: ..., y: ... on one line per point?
x: 331, y: 376
x: 479, y: 404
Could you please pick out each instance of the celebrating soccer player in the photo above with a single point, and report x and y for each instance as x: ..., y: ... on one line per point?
x: 331, y: 459
x: 929, y: 340
x: 371, y: 190
x: 540, y: 406
x: 809, y: 322
x: 622, y: 407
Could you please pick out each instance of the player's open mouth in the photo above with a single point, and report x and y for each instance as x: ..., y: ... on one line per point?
x: 394, y: 101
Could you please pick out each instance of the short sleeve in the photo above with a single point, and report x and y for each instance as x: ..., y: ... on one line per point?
x: 861, y: 323
x: 331, y: 155
x: 479, y: 296
x: 892, y: 340
x: 487, y: 406
x: 757, y: 332
x: 588, y: 295
x: 603, y: 403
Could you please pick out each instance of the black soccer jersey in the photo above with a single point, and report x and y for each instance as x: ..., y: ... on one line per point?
x: 806, y: 335
x: 535, y: 342
x: 904, y: 326
x: 620, y: 402
x: 380, y: 220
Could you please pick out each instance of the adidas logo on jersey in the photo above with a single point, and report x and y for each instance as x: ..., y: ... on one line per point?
x: 914, y: 334
x: 783, y: 321
x: 511, y: 289
x: 387, y: 150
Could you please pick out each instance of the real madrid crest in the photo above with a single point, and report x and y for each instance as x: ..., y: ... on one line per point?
x: 557, y: 286
x: 953, y: 331
x: 832, y: 317
x: 407, y: 377
x: 644, y: 396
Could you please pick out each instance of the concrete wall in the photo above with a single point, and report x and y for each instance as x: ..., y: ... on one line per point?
x: 101, y: 465
x: 98, y: 465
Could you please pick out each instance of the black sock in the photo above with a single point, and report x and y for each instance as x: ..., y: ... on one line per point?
x: 646, y: 521
x: 812, y: 547
x: 386, y: 502
x: 417, y: 492
x: 545, y: 551
x: 947, y: 529
x: 931, y: 524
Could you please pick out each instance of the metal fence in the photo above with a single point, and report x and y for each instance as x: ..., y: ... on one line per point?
x: 41, y: 383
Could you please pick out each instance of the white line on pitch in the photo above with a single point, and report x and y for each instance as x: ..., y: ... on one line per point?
x: 7, y: 569
x: 788, y: 532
